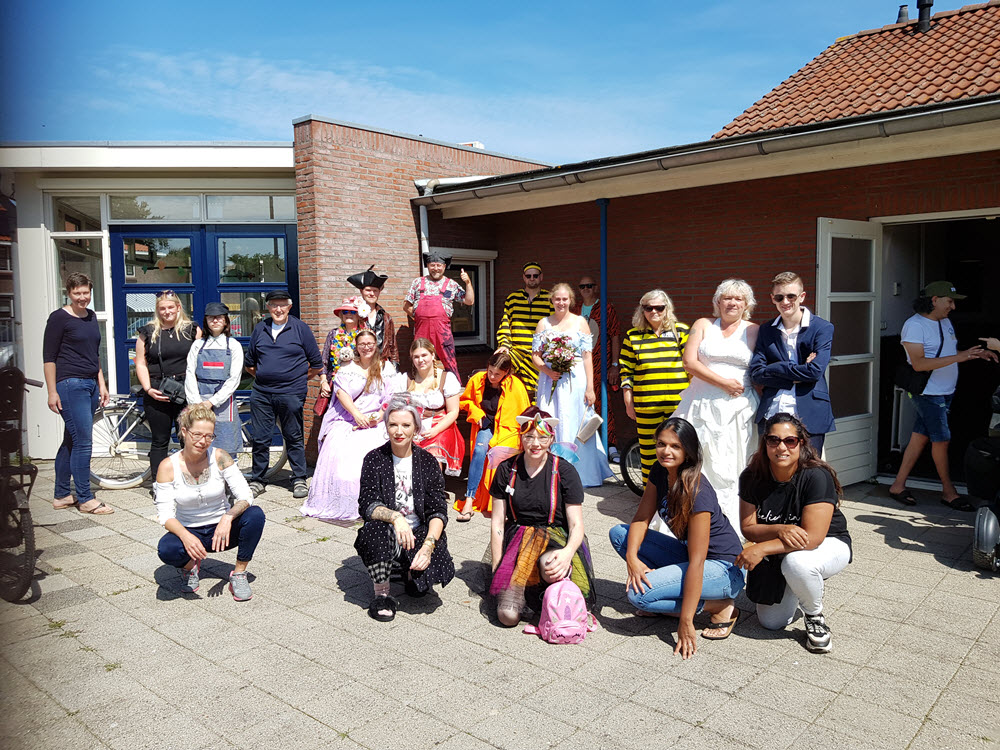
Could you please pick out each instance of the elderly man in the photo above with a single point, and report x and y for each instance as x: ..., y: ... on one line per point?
x: 431, y: 303
x: 282, y: 357
x: 931, y: 347
x: 370, y: 284
x: 591, y: 308
x: 522, y: 310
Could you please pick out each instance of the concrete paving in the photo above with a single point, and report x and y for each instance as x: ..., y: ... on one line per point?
x: 107, y: 653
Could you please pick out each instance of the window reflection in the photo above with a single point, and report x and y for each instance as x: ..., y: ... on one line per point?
x: 156, y: 207
x: 81, y: 256
x: 244, y: 260
x: 140, y: 307
x: 246, y: 309
x: 157, y: 260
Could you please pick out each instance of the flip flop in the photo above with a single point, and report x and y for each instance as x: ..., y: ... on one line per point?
x: 464, y: 517
x: 61, y: 503
x: 721, y: 630
x: 98, y: 510
x: 959, y: 503
x: 905, y: 497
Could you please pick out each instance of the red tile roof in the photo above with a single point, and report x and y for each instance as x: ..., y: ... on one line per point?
x: 882, y: 70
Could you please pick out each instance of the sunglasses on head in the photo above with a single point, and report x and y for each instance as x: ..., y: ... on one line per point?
x: 166, y: 293
x: 783, y: 297
x: 773, y: 441
x: 587, y: 286
x: 654, y: 308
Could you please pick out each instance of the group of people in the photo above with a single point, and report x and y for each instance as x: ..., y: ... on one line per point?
x: 721, y: 496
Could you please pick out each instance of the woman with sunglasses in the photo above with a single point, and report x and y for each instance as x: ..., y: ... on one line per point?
x: 405, y: 509
x: 694, y: 569
x: 536, y: 535
x: 214, y: 371
x: 652, y: 369
x: 161, y: 352
x: 493, y: 401
x: 190, y: 494
x: 352, y: 427
x: 789, y: 506
x: 338, y: 349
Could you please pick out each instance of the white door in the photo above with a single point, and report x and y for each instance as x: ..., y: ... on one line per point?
x: 848, y: 278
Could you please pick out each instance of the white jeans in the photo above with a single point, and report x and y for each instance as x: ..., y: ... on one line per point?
x: 804, y: 573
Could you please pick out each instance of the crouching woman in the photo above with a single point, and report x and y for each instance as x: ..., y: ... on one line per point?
x: 190, y: 496
x: 405, y: 509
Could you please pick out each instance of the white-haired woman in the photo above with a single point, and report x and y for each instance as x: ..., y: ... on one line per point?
x: 405, y: 509
x: 652, y: 369
x: 720, y: 402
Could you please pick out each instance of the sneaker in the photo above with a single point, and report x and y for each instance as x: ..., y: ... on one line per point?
x: 190, y: 580
x: 817, y: 634
x: 239, y: 586
x: 257, y: 489
x: 300, y: 489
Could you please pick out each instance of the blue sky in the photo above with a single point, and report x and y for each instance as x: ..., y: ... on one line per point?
x: 556, y: 81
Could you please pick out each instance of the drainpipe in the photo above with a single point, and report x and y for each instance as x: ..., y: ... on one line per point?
x: 603, y: 205
x: 425, y: 244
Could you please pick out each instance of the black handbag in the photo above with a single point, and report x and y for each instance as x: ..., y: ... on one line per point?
x: 170, y: 387
x: 766, y: 582
x: 910, y: 380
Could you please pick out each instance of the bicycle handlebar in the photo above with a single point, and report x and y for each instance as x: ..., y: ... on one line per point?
x: 35, y: 383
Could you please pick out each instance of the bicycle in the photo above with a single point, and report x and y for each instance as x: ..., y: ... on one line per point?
x: 120, y: 458
x: 631, y: 466
x: 17, y: 534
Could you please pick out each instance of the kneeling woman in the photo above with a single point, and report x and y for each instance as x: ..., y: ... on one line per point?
x: 405, y: 509
x: 789, y: 506
x: 694, y: 569
x: 536, y: 533
x: 191, y: 504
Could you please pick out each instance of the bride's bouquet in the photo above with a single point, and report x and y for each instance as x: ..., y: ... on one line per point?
x: 559, y: 353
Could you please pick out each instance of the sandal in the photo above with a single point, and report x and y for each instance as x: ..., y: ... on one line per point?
x: 719, y: 631
x: 464, y: 516
x: 61, y: 503
x: 380, y: 603
x: 905, y: 497
x: 98, y: 510
x: 959, y: 503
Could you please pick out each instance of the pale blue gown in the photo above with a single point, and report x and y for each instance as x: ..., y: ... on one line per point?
x: 565, y: 402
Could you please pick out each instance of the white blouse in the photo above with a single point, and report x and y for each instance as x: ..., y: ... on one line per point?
x: 199, y: 504
x: 433, y: 400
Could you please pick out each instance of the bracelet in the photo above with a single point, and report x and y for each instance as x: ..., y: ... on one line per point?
x: 431, y: 541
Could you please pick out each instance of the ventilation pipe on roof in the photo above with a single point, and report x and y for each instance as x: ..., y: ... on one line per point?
x: 924, y: 18
x: 904, y: 14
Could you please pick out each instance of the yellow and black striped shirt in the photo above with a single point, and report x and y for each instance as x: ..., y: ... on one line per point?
x: 517, y: 328
x: 652, y: 366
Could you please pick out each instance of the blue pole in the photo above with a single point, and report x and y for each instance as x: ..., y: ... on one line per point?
x: 603, y: 301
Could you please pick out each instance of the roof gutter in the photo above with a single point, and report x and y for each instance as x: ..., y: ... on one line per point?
x: 715, y: 151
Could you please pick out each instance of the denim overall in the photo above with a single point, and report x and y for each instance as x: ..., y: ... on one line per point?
x: 211, y: 372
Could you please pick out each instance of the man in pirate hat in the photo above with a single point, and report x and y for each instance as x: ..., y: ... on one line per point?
x: 431, y: 302
x: 370, y: 284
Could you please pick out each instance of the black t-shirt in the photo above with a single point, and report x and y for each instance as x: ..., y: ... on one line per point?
x: 782, y: 502
x: 723, y: 542
x: 531, y: 501
x: 172, y: 346
x: 491, y: 402
x: 73, y: 343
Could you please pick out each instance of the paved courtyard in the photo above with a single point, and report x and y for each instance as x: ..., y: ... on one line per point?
x: 107, y: 653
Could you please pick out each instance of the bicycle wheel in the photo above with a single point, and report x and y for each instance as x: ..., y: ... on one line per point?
x: 17, y: 543
x: 631, y: 464
x: 244, y: 459
x: 120, y: 457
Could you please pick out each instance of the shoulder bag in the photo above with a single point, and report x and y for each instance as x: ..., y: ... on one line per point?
x: 910, y: 380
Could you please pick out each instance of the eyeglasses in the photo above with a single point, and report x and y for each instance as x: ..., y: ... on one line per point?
x: 532, y: 275
x: 166, y: 293
x: 783, y: 297
x: 365, y: 345
x: 587, y: 286
x: 197, y: 437
x: 654, y: 308
x: 773, y: 441
x: 534, y: 439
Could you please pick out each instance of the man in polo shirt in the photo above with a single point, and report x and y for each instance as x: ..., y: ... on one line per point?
x: 522, y: 310
x: 282, y: 357
x: 790, y: 361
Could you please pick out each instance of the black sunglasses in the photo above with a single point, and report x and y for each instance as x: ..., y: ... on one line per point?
x: 587, y: 286
x: 783, y: 297
x: 654, y: 308
x: 532, y: 275
x: 773, y: 441
x: 166, y: 293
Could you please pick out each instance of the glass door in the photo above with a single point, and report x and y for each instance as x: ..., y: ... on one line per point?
x: 848, y: 278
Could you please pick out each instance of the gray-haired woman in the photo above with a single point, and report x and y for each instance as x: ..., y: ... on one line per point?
x: 405, y: 509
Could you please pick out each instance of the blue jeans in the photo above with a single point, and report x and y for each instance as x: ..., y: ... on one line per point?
x: 245, y: 533
x: 668, y: 559
x: 265, y: 408
x: 477, y: 463
x: 80, y: 398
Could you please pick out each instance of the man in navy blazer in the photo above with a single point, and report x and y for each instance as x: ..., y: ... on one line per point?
x: 790, y: 360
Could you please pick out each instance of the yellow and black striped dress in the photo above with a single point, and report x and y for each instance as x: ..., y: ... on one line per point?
x: 517, y: 328
x: 652, y: 366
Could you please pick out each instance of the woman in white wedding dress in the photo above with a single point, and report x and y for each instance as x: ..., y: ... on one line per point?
x: 720, y: 402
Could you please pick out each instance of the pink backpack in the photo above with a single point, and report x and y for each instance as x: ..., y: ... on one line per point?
x: 564, y: 616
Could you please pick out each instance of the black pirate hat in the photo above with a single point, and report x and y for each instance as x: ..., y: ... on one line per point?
x: 368, y: 278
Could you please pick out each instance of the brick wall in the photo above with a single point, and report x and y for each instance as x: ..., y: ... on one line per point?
x: 353, y: 191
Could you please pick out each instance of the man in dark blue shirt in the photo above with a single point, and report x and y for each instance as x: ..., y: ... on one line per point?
x: 282, y: 357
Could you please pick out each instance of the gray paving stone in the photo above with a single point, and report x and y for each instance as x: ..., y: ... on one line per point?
x: 630, y: 725
x: 74, y: 524
x: 934, y: 736
x: 66, y: 732
x: 902, y: 694
x: 746, y: 723
x: 94, y: 532
x: 869, y: 722
x: 67, y: 597
x: 422, y: 730
x: 799, y: 700
x: 519, y: 726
